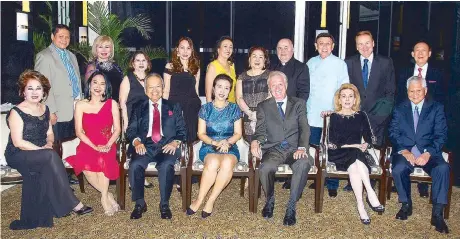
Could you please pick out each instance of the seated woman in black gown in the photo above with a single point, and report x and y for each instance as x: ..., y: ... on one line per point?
x: 46, y: 192
x: 347, y: 127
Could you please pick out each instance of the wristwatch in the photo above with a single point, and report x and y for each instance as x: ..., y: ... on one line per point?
x: 178, y: 142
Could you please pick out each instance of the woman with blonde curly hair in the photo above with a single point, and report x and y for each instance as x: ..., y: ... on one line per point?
x: 348, y: 125
x: 103, y: 52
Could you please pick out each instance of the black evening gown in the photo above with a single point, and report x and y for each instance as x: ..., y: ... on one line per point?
x: 347, y: 129
x: 46, y: 192
x: 182, y: 91
x: 136, y: 93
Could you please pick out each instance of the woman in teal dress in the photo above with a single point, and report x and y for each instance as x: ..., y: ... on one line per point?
x: 219, y: 127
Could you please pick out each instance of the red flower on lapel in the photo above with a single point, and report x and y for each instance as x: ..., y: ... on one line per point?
x: 170, y: 113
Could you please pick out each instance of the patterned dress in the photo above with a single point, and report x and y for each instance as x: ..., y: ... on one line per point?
x: 219, y: 126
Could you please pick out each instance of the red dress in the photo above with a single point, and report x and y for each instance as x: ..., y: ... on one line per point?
x: 98, y: 128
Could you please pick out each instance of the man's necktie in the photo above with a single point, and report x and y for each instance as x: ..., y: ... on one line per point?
x: 365, y: 73
x: 419, y: 72
x: 414, y: 149
x: 280, y: 109
x: 156, y: 136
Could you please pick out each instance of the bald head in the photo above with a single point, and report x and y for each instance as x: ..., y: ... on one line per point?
x: 285, y: 50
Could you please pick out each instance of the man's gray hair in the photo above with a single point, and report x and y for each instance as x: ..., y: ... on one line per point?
x: 277, y: 73
x: 153, y: 74
x: 416, y: 78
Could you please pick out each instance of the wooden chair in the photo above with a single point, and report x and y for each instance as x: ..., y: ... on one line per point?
x: 151, y: 171
x: 378, y: 173
x: 244, y: 169
x: 421, y: 176
x: 316, y: 173
x: 65, y: 148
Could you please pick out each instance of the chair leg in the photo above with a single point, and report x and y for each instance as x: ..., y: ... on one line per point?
x: 256, y: 190
x: 188, y: 188
x: 81, y: 182
x: 121, y: 188
x: 251, y: 192
x: 382, y: 187
x: 320, y: 191
x: 389, y: 186
x: 243, y: 181
x: 183, y: 185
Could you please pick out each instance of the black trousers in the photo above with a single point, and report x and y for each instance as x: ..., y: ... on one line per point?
x: 165, y: 167
x: 275, y: 156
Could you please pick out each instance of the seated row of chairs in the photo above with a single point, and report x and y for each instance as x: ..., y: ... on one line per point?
x: 188, y: 165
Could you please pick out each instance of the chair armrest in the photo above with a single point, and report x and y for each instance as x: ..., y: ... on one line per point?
x: 122, y: 149
x: 191, y: 153
x: 57, y: 146
x: 183, y: 154
x: 316, y: 156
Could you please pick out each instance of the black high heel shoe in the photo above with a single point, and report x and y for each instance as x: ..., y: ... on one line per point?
x: 379, y: 208
x: 189, y: 211
x: 205, y: 214
x: 366, y: 221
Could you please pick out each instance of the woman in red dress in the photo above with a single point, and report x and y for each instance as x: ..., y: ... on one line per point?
x: 97, y: 125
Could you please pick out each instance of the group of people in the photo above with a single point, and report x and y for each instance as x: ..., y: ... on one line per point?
x: 278, y: 109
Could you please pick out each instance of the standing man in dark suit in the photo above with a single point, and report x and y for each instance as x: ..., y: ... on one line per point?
x: 435, y: 77
x: 156, y: 130
x: 374, y: 76
x: 297, y: 74
x: 296, y: 71
x: 60, y: 66
x: 418, y: 131
x: 435, y: 83
x: 282, y: 136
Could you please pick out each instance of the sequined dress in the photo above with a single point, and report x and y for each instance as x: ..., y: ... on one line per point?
x: 219, y: 125
x: 98, y: 128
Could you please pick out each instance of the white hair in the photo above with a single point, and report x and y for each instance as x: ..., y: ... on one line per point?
x: 277, y: 73
x: 414, y: 79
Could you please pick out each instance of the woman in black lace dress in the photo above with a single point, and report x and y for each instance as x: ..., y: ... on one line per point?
x: 182, y: 78
x: 103, y: 52
x: 46, y: 192
x: 346, y: 129
x: 252, y: 88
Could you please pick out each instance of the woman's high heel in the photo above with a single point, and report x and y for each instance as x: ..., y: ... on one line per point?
x: 379, y: 208
x: 205, y: 214
x: 366, y: 221
x: 189, y: 211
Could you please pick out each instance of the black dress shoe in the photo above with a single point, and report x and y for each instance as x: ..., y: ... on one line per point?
x: 84, y: 210
x: 205, y: 214
x: 138, y: 210
x: 379, y: 208
x: 312, y: 186
x: 165, y: 212
x: 179, y: 189
x: 332, y: 193
x: 348, y: 188
x: 189, y: 211
x: 287, y: 184
x: 289, y: 218
x: 267, y: 212
x: 73, y: 181
x: 440, y: 224
x: 404, y: 212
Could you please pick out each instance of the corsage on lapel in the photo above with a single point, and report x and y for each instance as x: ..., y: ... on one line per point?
x: 170, y: 113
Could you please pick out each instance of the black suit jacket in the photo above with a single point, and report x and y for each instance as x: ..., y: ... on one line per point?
x: 435, y: 80
x: 377, y: 100
x: 298, y: 78
x: 271, y: 129
x: 172, y: 123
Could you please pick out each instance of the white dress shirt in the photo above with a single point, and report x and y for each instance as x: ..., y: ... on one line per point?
x: 283, y: 106
x: 424, y: 70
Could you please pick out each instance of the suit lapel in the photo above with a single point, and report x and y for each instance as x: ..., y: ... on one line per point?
x: 57, y: 57
x: 145, y: 117
x: 410, y: 116
x: 164, y: 113
x: 373, y: 76
x: 424, y: 113
x: 275, y: 108
x: 430, y: 74
x: 358, y: 73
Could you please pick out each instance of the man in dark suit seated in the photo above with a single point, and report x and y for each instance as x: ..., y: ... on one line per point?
x: 418, y: 131
x: 282, y: 136
x: 156, y: 130
x: 436, y: 83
